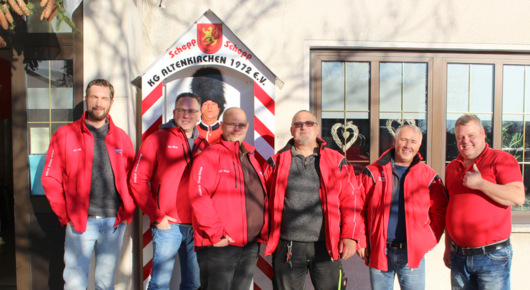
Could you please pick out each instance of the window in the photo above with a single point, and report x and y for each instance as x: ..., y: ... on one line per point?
x: 469, y: 90
x: 516, y: 119
x: 402, y: 100
x: 345, y: 109
x: 376, y: 91
x: 50, y: 104
x: 35, y: 25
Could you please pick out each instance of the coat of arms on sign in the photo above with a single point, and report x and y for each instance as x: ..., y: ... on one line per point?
x: 210, y: 37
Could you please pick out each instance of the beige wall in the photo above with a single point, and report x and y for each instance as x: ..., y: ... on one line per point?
x: 112, y: 45
x: 280, y: 32
x: 122, y: 38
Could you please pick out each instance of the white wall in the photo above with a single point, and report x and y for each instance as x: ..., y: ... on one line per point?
x: 112, y: 33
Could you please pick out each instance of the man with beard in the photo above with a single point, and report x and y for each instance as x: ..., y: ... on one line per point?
x: 85, y: 181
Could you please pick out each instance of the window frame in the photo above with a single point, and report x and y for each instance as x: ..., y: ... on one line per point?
x: 437, y: 92
x: 35, y: 46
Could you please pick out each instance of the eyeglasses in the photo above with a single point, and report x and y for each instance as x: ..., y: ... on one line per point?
x: 309, y: 124
x: 183, y: 111
x: 240, y: 125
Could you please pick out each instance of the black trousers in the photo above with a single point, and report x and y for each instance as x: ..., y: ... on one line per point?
x: 227, y: 268
x: 313, y: 257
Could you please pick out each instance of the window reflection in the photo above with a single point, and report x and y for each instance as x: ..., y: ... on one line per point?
x: 349, y: 138
x: 469, y: 90
x: 403, y: 100
x: 516, y: 119
x: 49, y: 105
x: 345, y: 110
x: 35, y: 25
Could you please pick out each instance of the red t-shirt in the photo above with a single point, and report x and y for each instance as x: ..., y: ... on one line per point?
x: 473, y: 219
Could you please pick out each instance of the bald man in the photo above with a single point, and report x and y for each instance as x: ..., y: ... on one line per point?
x: 227, y: 193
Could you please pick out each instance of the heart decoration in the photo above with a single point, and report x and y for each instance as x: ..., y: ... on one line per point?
x: 341, y: 132
x: 391, y: 129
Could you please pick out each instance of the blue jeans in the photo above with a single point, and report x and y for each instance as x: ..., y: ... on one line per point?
x: 101, y: 236
x: 166, y: 245
x: 483, y: 271
x: 408, y: 278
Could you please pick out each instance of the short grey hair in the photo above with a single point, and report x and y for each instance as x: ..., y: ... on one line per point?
x: 416, y: 128
x: 302, y: 111
x: 466, y: 118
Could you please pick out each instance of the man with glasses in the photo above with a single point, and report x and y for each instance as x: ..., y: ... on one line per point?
x: 403, y: 213
x: 159, y: 183
x: 227, y: 193
x: 311, y: 209
x: 483, y: 185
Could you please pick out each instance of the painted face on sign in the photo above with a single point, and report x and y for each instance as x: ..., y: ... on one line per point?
x: 210, y: 112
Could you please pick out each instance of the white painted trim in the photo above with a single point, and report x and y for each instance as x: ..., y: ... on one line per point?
x: 334, y: 44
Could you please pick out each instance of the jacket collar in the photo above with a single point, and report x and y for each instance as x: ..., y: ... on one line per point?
x: 290, y: 144
x: 231, y: 145
x: 85, y: 129
x: 213, y: 127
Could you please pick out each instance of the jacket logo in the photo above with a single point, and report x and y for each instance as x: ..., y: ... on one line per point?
x: 224, y: 171
x: 382, y: 177
x: 172, y: 147
x: 78, y: 149
x: 119, y: 150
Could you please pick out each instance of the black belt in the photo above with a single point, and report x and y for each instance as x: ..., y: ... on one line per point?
x: 396, y: 245
x: 481, y: 250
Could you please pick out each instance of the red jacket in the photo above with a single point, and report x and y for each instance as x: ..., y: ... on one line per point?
x: 217, y: 195
x: 337, y: 194
x: 68, y: 172
x: 425, y: 205
x: 159, y: 179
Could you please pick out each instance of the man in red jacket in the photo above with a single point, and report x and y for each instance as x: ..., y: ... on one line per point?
x: 311, y: 209
x: 159, y: 183
x: 403, y: 214
x: 227, y: 193
x: 85, y: 180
